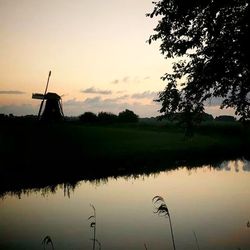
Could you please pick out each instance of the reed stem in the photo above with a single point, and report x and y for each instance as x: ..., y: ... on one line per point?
x: 172, y: 232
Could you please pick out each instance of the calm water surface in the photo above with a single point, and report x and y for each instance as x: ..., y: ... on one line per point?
x: 212, y: 202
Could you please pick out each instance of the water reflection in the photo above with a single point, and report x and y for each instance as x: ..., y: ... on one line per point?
x: 212, y: 201
x: 69, y: 187
x: 237, y: 165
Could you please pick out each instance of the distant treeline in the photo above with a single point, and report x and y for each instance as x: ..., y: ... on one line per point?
x: 106, y: 117
x: 4, y: 117
x: 205, y: 117
x: 123, y: 117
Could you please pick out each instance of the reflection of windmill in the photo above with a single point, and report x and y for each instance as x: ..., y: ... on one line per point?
x: 53, y: 106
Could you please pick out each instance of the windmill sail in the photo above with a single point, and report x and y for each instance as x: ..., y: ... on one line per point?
x: 37, y: 96
x: 41, y: 106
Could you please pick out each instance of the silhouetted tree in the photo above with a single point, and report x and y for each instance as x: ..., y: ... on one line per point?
x: 88, y: 117
x: 104, y: 117
x: 211, y: 40
x: 128, y: 116
x: 207, y: 117
x: 225, y: 118
x: 3, y: 117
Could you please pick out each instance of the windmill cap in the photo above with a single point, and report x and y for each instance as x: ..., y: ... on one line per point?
x: 52, y: 96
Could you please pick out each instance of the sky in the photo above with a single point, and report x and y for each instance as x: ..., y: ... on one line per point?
x: 96, y: 50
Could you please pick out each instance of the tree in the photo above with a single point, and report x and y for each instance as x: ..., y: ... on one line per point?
x: 105, y: 117
x: 225, y: 118
x: 128, y: 116
x: 210, y: 39
x: 88, y: 117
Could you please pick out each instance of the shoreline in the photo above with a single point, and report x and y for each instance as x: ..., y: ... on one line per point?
x: 39, y: 155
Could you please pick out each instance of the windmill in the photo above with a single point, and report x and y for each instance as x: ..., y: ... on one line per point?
x: 53, y: 104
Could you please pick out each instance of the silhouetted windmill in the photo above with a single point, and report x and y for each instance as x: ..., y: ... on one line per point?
x: 53, y: 105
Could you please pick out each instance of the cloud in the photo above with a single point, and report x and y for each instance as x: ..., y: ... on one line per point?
x: 213, y: 101
x: 125, y: 79
x: 93, y: 90
x: 130, y: 79
x: 120, y: 98
x: 11, y: 92
x: 97, y: 104
x: 116, y: 81
x: 217, y: 111
x: 145, y: 95
x: 121, y: 92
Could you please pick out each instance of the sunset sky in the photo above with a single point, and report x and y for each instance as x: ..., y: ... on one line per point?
x: 96, y: 50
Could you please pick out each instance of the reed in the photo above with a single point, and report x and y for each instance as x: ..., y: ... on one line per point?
x: 46, y: 241
x: 196, y: 241
x: 161, y: 209
x: 93, y: 225
x: 98, y: 243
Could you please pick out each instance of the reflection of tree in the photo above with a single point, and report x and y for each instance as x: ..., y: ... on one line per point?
x: 246, y: 165
x: 224, y: 166
x: 68, y: 187
x: 127, y: 174
x: 237, y: 165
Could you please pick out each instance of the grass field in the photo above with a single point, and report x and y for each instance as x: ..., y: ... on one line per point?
x: 71, y: 149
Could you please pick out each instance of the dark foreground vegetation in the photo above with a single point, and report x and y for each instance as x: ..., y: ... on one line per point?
x: 34, y: 153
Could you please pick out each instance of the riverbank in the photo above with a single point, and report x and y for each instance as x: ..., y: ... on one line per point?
x: 32, y: 152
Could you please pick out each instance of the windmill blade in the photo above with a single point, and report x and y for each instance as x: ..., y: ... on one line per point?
x: 37, y: 96
x: 41, y: 106
x: 40, y: 109
x: 60, y: 107
x: 47, y: 83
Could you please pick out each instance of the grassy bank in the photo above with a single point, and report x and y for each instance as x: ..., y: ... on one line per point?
x: 69, y: 150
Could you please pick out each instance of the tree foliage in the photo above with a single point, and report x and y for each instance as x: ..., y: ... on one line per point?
x: 210, y: 38
x: 88, y: 117
x: 105, y: 117
x: 109, y: 118
x: 128, y: 116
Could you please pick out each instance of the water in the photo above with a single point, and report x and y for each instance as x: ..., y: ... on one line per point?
x: 211, y: 203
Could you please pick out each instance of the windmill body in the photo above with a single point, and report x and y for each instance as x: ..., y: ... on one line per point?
x: 53, y: 105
